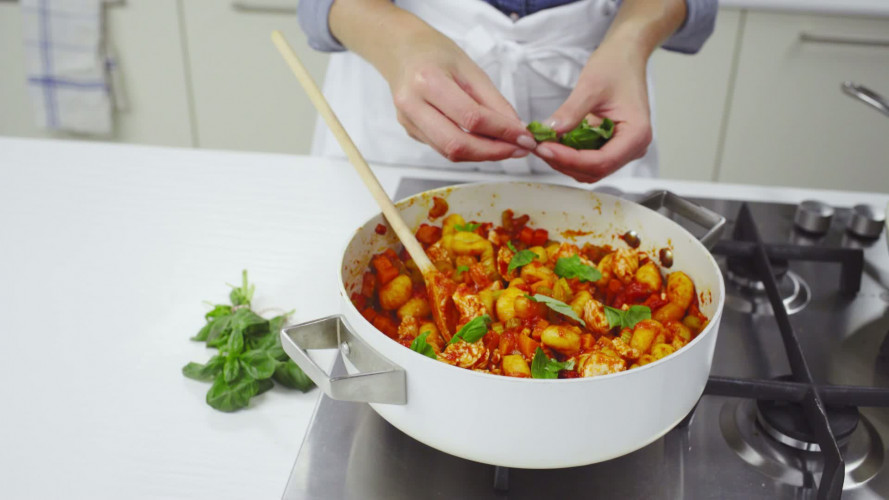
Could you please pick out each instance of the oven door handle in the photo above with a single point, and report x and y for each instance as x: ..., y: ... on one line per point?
x: 377, y: 380
x: 713, y: 222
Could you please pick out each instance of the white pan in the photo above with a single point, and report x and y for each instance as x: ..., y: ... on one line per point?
x: 525, y: 423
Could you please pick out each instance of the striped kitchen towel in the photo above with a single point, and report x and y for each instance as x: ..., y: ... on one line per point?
x: 68, y: 65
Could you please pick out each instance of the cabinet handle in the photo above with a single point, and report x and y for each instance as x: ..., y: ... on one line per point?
x: 843, y: 40
x: 867, y: 96
x: 247, y: 6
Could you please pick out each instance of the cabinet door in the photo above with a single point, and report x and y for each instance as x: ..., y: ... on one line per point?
x: 146, y: 36
x: 789, y: 123
x: 244, y: 94
x: 690, y: 101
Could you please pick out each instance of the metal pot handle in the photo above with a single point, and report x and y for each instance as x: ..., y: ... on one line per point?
x: 710, y: 220
x: 378, y: 380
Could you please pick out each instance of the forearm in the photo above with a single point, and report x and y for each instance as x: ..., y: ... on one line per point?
x: 374, y: 29
x: 643, y: 25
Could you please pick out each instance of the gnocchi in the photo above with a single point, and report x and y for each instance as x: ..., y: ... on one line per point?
x: 550, y: 308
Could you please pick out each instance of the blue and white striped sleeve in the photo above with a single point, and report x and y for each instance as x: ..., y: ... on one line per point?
x: 700, y: 20
x: 312, y: 15
x: 689, y: 38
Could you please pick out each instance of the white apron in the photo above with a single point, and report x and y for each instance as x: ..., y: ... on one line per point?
x: 534, y: 62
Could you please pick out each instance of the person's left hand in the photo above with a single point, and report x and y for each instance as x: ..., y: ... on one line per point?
x: 612, y: 85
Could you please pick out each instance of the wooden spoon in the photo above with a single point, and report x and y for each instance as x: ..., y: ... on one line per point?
x: 439, y: 287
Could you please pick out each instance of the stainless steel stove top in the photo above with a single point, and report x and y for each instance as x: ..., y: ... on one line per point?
x: 723, y: 452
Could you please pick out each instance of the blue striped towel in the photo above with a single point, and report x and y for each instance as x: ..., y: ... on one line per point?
x: 68, y: 65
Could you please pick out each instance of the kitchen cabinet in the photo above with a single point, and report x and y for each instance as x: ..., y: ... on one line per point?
x: 789, y: 123
x: 146, y: 36
x: 690, y: 97
x: 244, y: 95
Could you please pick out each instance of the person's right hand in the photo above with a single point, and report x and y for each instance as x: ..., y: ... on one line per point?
x: 446, y: 101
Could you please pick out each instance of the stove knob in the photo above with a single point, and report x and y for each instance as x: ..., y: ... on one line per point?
x: 813, y: 216
x: 866, y: 222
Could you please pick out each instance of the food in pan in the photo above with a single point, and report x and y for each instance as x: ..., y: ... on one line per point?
x: 526, y: 305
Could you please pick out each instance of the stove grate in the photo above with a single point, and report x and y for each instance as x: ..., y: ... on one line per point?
x: 802, y: 388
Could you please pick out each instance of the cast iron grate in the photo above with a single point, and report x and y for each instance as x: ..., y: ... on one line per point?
x: 800, y: 387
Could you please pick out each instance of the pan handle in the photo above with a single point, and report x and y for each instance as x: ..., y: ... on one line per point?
x: 710, y: 220
x: 378, y: 380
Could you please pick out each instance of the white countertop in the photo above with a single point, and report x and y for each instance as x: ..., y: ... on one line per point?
x: 108, y: 253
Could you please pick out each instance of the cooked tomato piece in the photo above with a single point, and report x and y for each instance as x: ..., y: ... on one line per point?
x: 439, y: 208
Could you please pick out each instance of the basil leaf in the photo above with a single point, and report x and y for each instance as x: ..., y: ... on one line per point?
x: 232, y: 368
x: 218, y: 311
x: 203, y: 333
x: 636, y: 314
x: 614, y: 316
x: 204, y: 373
x: 605, y: 129
x: 628, y: 318
x: 538, y: 366
x: 219, y: 328
x: 544, y: 367
x: 473, y: 330
x: 290, y: 375
x: 231, y: 396
x: 249, y: 322
x: 235, y: 342
x: 541, y: 132
x: 263, y: 386
x: 419, y: 344
x: 511, y: 247
x: 557, y: 306
x: 583, y: 136
x: 520, y: 259
x: 468, y: 227
x: 573, y: 267
x: 258, y: 364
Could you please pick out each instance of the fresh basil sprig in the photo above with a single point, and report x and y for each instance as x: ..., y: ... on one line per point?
x: 541, y: 132
x: 557, y: 306
x: 544, y: 367
x: 419, y: 344
x: 475, y: 329
x: 250, y: 353
x: 468, y: 227
x: 573, y: 267
x: 628, y: 318
x: 584, y: 136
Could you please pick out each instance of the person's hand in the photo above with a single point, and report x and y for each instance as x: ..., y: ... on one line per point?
x: 445, y: 100
x: 612, y: 85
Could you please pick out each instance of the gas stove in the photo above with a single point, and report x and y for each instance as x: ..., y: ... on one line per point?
x: 796, y: 405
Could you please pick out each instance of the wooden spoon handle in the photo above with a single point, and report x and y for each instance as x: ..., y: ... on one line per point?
x: 370, y: 180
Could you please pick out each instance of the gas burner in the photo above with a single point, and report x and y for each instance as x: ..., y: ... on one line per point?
x: 748, y: 295
x: 786, y: 423
x: 862, y: 450
x: 743, y: 272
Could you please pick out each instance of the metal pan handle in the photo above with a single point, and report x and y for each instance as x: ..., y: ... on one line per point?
x: 708, y: 219
x: 378, y: 379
